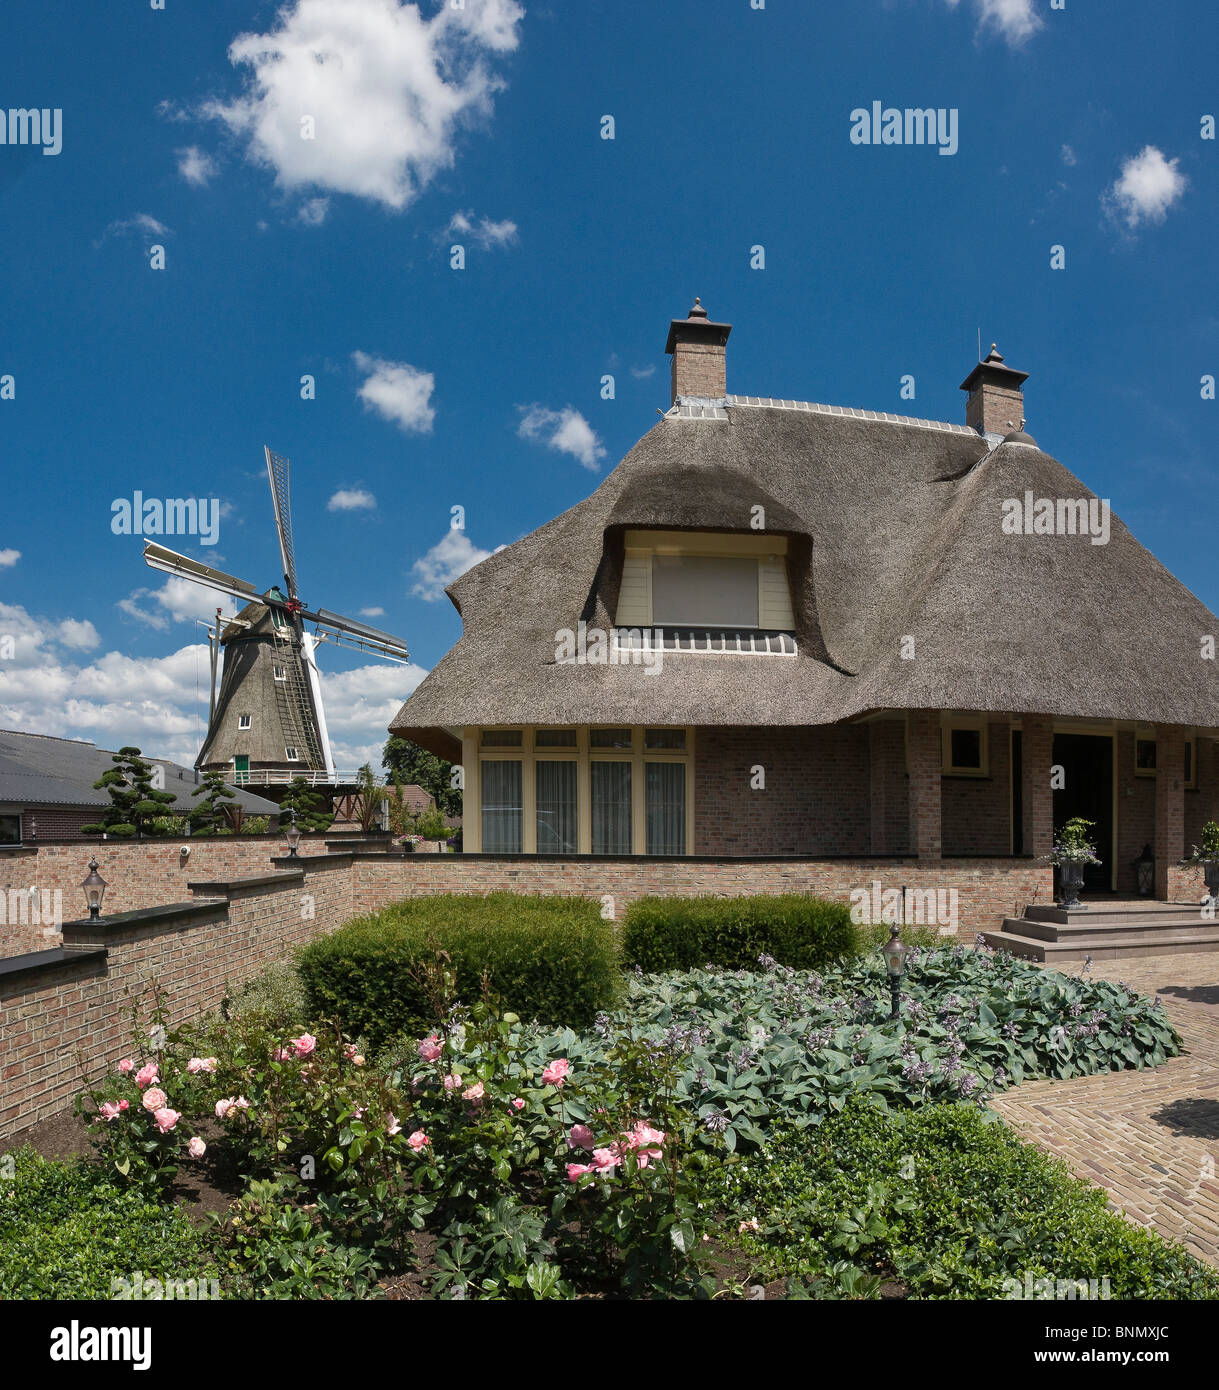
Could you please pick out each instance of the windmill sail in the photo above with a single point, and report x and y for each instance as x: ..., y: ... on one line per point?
x: 277, y: 476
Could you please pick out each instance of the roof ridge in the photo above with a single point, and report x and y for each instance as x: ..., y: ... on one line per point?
x: 852, y: 413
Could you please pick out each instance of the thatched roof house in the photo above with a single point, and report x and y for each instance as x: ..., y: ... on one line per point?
x: 893, y: 619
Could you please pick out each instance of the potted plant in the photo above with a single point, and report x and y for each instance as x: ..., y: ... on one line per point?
x: 1207, y: 854
x: 1072, y: 853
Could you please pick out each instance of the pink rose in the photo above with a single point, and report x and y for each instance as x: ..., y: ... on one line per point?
x: 146, y: 1075
x: 418, y: 1140
x: 357, y: 1060
x: 108, y: 1110
x: 126, y: 1065
x: 198, y: 1064
x: 518, y: 1103
x: 392, y: 1126
x: 154, y: 1099
x: 196, y: 1148
x: 359, y: 1111
x: 556, y: 1072
x: 475, y: 1093
x: 282, y: 1054
x: 605, y: 1160
x: 222, y: 1109
x: 166, y: 1119
x: 304, y: 1045
x: 349, y: 1051
x: 575, y: 1171
x: 430, y: 1048
x: 123, y: 1104
x: 581, y: 1137
x: 750, y: 1225
x: 452, y: 1082
x: 645, y: 1140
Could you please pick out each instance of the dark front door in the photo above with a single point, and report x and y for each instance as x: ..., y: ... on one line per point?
x: 1087, y: 776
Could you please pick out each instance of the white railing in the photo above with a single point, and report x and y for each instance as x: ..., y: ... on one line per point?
x: 281, y: 777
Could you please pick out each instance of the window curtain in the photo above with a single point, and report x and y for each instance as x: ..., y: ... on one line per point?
x: 610, y: 789
x: 666, y: 807
x: 704, y: 591
x: 502, y: 813
x: 556, y: 810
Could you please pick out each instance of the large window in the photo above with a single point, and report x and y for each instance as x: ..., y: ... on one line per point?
x: 558, y: 830
x: 503, y: 811
x: 610, y: 790
x: 704, y: 591
x: 666, y: 808
x: 10, y: 830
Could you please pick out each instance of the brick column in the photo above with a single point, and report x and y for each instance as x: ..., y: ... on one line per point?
x: 1037, y: 745
x: 1170, y: 802
x: 886, y: 741
x: 925, y: 760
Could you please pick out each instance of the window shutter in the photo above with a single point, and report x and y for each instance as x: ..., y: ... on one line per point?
x: 635, y: 595
x: 774, y: 599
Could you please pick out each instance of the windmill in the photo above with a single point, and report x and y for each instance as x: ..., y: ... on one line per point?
x: 267, y: 724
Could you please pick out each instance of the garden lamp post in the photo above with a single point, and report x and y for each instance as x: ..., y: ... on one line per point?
x: 894, y: 952
x: 293, y: 836
x: 95, y: 890
x: 1145, y: 872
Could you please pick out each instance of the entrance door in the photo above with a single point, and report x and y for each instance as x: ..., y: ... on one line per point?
x: 241, y: 764
x: 1087, y: 790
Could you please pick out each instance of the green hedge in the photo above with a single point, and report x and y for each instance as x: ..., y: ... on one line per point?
x: 66, y: 1232
x: 549, y: 958
x: 686, y: 933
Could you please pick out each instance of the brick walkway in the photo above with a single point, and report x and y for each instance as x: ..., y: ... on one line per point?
x: 1150, y: 1137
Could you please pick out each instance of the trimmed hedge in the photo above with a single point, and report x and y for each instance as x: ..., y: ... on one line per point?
x: 799, y: 930
x: 549, y: 958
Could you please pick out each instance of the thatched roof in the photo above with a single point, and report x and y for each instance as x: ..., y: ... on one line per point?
x: 895, y: 531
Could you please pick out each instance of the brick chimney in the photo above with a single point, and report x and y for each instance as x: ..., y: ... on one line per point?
x: 697, y: 346
x: 996, y: 398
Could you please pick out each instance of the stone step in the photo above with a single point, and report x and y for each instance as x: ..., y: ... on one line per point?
x: 1145, y: 911
x: 1080, y: 928
x: 1104, y: 946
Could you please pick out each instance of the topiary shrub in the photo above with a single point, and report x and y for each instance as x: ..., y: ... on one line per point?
x: 549, y: 958
x: 799, y: 930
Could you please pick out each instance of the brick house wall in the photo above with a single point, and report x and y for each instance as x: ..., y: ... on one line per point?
x: 976, y: 811
x: 815, y: 800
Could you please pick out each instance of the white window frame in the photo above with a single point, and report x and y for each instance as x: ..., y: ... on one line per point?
x: 292, y: 754
x: 974, y: 723
x: 244, y: 721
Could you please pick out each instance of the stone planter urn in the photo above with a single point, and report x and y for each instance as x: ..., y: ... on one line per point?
x: 1070, y: 881
x: 1210, y: 872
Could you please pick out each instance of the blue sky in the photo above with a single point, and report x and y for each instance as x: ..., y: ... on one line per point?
x: 482, y: 125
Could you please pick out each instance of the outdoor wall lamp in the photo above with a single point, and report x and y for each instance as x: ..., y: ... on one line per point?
x: 894, y: 952
x: 95, y: 890
x: 293, y: 836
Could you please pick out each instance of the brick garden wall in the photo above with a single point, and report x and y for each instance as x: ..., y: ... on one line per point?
x: 139, y: 873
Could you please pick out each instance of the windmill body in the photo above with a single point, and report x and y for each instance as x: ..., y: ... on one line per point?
x: 267, y: 724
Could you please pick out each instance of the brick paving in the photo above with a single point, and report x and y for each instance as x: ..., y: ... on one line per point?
x: 1151, y: 1138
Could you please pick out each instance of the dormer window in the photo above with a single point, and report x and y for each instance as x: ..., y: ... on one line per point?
x: 695, y: 584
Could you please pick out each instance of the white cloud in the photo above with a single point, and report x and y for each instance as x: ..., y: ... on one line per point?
x: 451, y: 556
x: 352, y: 499
x: 483, y: 233
x: 1015, y: 20
x: 312, y: 212
x: 1069, y: 157
x: 178, y: 599
x: 385, y: 87
x: 149, y: 227
x: 642, y: 373
x: 1146, y: 188
x: 8, y: 558
x: 195, y: 166
x: 397, y: 392
x: 565, y: 430
x: 79, y: 634
x: 372, y: 612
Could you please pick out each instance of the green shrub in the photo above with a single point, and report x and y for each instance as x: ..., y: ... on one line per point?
x: 276, y: 995
x: 804, y: 932
x: 548, y: 958
x: 431, y: 825
x: 66, y: 1232
x: 950, y: 1201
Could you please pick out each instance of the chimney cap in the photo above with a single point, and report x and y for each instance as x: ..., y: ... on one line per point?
x: 994, y: 371
x: 696, y: 327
